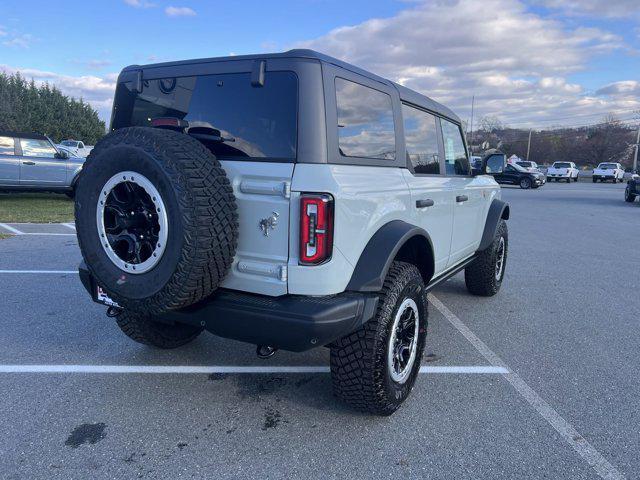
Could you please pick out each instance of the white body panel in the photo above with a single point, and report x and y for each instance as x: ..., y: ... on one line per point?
x: 261, y: 188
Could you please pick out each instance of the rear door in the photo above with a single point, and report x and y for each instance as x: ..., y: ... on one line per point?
x: 430, y: 194
x: 466, y: 193
x: 9, y: 164
x: 38, y: 165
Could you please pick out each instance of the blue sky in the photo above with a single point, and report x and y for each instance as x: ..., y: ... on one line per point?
x: 533, y: 62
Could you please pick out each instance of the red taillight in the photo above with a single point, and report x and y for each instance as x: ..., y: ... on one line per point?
x: 316, y: 228
x: 169, y: 122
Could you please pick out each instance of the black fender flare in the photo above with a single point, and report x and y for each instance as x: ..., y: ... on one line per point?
x: 498, y: 210
x: 375, y: 260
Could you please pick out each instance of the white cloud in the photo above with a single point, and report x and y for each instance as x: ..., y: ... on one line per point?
x: 625, y: 88
x: 3, y: 32
x: 21, y: 41
x: 515, y: 62
x: 139, y: 3
x: 599, y: 8
x: 179, y: 12
x: 96, y: 90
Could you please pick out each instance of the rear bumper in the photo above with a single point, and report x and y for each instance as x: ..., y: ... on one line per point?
x: 290, y: 322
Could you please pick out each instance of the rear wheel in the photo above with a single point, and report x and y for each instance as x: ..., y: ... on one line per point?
x: 628, y: 196
x: 594, y: 180
x: 374, y: 368
x: 143, y: 329
x: 569, y: 179
x: 484, y: 275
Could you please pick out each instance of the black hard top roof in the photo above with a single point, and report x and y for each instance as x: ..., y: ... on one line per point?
x: 36, y: 136
x: 406, y: 94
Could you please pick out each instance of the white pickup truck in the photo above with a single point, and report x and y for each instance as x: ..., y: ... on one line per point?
x: 608, y: 171
x: 563, y: 171
x: 78, y: 148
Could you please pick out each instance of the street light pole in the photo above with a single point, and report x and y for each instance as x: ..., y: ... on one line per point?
x: 635, y: 156
x: 529, y: 144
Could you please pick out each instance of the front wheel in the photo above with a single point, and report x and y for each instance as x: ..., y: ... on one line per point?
x: 525, y: 183
x: 374, y: 368
x: 594, y: 180
x: 484, y: 275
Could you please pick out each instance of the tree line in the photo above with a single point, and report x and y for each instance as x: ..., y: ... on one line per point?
x: 611, y: 140
x: 26, y: 107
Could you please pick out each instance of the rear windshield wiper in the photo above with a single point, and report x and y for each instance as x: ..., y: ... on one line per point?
x: 197, y: 129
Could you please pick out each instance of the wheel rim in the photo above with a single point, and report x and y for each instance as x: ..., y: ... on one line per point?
x: 524, y: 183
x: 403, y: 341
x: 500, y: 259
x: 132, y: 222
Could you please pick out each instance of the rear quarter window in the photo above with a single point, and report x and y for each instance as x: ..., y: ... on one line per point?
x: 7, y: 146
x: 261, y: 120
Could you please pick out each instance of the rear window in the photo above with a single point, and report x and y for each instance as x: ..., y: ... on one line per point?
x: 561, y: 165
x: 262, y: 121
x: 608, y: 166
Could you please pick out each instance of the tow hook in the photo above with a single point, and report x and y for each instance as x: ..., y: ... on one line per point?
x: 265, y: 351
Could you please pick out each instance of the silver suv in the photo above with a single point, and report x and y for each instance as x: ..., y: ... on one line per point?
x: 32, y: 162
x: 289, y: 200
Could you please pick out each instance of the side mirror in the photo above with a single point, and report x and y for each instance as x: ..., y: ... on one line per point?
x: 494, y: 163
x: 62, y: 154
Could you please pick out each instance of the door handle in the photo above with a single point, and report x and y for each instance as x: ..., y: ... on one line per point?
x: 28, y: 163
x: 427, y: 202
x: 461, y: 198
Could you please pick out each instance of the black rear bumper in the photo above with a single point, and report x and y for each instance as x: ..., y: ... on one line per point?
x: 290, y: 322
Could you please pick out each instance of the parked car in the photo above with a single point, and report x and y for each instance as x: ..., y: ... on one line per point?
x: 514, y: 174
x: 528, y: 166
x: 608, y: 171
x: 313, y: 215
x: 31, y: 162
x: 476, y: 164
x: 78, y: 147
x: 633, y: 188
x: 563, y: 171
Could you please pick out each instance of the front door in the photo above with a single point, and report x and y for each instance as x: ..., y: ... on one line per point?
x: 39, y: 166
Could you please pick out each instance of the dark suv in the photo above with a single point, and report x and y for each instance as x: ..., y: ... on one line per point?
x: 514, y: 174
x: 633, y: 189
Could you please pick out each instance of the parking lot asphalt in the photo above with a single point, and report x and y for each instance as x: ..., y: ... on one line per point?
x: 565, y: 324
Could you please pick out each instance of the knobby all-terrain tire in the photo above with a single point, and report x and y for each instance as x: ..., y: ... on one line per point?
x: 480, y: 276
x: 359, y: 362
x: 143, y: 329
x: 202, y: 220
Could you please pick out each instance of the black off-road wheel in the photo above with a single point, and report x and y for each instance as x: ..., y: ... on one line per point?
x: 628, y: 196
x: 143, y: 329
x: 374, y: 368
x: 156, y: 219
x: 484, y: 275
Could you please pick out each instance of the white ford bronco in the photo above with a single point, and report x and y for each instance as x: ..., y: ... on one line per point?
x: 291, y: 201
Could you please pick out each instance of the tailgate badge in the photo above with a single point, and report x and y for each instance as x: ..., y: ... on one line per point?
x: 269, y: 223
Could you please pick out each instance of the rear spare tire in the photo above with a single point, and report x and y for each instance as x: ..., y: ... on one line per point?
x: 156, y: 219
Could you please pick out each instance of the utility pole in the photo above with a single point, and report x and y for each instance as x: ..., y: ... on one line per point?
x: 529, y: 144
x: 473, y: 99
x: 635, y: 156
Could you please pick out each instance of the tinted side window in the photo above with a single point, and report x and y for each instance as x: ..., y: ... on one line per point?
x: 262, y: 121
x: 32, y: 147
x: 455, y: 155
x: 365, y: 121
x: 495, y: 164
x: 421, y: 139
x: 6, y: 146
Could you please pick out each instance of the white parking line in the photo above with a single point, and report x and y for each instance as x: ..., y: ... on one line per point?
x: 39, y: 271
x: 70, y: 225
x: 473, y: 369
x: 10, y: 229
x: 564, y: 428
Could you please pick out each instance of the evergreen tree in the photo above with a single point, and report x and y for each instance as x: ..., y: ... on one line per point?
x: 26, y: 107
